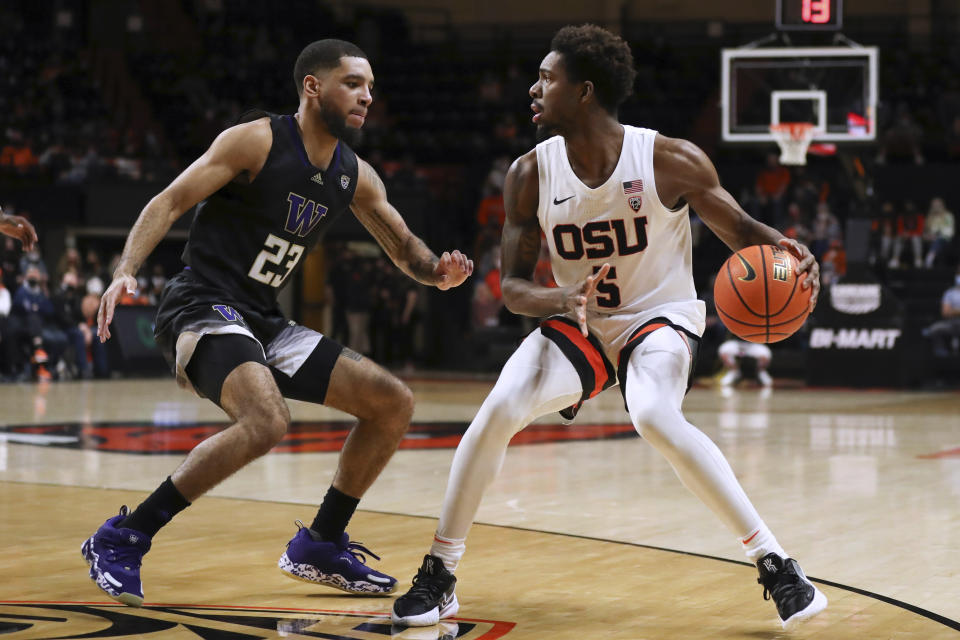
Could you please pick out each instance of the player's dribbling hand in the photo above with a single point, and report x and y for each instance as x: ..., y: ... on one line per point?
x: 587, y: 289
x: 453, y: 269
x: 808, y: 264
x: 119, y: 286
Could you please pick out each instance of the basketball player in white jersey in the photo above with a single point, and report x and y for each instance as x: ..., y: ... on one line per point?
x: 612, y: 201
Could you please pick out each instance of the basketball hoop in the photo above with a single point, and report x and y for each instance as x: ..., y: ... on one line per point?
x: 794, y: 138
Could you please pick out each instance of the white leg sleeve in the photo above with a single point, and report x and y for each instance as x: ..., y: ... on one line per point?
x: 656, y: 382
x: 537, y: 380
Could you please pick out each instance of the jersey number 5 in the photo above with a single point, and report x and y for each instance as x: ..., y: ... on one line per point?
x: 610, y: 291
x: 279, y: 252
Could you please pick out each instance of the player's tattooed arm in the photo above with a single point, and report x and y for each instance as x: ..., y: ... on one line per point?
x: 685, y: 173
x: 520, y: 251
x: 407, y: 251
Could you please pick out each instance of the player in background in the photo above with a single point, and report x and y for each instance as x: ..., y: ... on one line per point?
x: 733, y: 351
x: 612, y: 201
x: 267, y: 190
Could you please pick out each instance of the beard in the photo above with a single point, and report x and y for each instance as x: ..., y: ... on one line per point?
x: 546, y: 130
x: 338, y: 127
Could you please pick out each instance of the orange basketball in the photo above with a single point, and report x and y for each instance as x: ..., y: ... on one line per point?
x: 758, y: 294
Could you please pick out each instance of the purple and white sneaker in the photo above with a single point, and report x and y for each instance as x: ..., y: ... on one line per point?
x: 341, y: 565
x: 114, y: 555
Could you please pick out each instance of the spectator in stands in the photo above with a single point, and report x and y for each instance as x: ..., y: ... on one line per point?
x: 101, y: 362
x: 881, y: 228
x: 338, y: 281
x: 356, y: 300
x: 796, y: 227
x: 384, y: 311
x: 833, y: 264
x: 93, y: 273
x: 404, y: 338
x: 826, y: 229
x: 807, y: 192
x: 938, y: 231
x: 770, y: 189
x: 33, y: 324
x: 485, y: 307
x: 909, y: 229
x: 32, y: 259
x: 90, y: 355
x: 945, y: 333
x: 158, y: 280
x: 69, y: 261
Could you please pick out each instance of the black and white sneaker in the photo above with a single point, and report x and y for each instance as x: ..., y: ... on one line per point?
x: 429, y: 599
x: 795, y: 596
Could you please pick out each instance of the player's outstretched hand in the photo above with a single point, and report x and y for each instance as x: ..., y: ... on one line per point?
x: 20, y: 228
x: 587, y: 288
x: 453, y: 269
x: 808, y: 264
x: 119, y: 286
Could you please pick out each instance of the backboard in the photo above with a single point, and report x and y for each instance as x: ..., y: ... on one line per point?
x: 835, y: 88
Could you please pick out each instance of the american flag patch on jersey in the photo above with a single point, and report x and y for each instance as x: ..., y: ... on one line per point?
x: 633, y: 186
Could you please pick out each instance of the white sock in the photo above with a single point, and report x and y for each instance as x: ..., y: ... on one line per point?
x: 760, y: 542
x: 450, y: 550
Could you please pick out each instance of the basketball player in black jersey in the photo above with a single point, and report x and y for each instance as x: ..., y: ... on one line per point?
x: 267, y: 189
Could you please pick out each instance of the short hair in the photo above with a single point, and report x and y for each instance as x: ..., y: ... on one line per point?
x: 322, y: 55
x: 593, y: 53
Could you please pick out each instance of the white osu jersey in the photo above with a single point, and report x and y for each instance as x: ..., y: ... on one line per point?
x: 622, y: 222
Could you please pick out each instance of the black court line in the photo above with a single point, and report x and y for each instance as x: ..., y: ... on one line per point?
x: 906, y: 606
x: 936, y: 617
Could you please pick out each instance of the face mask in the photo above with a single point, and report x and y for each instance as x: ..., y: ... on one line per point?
x: 158, y: 281
x: 33, y: 284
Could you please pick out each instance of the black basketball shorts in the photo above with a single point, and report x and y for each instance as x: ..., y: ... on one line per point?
x: 192, y: 310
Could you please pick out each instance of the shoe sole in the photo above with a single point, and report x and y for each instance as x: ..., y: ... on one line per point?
x: 429, y: 618
x: 289, y: 569
x: 818, y: 604
x: 129, y: 599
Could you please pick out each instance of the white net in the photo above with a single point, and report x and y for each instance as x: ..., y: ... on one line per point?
x: 794, y: 139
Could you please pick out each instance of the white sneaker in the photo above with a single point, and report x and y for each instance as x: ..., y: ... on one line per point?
x: 730, y: 378
x: 764, y: 378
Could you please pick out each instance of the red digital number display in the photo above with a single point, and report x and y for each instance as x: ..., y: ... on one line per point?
x: 815, y: 11
x: 809, y: 14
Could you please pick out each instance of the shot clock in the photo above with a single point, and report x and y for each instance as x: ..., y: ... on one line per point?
x: 809, y: 15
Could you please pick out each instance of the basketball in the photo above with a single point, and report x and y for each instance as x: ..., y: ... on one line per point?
x: 758, y: 295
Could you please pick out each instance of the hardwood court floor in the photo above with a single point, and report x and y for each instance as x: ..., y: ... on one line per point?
x: 586, y: 538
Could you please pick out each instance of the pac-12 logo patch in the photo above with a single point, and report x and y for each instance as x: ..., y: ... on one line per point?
x: 635, y: 202
x: 344, y: 181
x: 229, y: 313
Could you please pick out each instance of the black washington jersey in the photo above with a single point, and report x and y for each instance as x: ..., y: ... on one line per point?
x: 249, y: 238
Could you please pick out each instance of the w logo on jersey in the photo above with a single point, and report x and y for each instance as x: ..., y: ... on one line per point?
x: 303, y: 215
x: 229, y: 313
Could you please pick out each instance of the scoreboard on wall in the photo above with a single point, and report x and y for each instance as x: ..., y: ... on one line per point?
x: 809, y: 15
